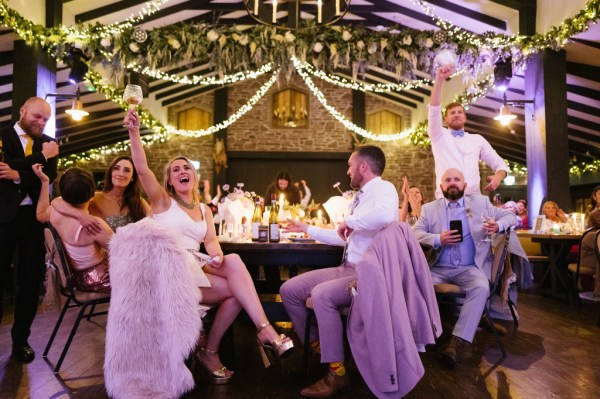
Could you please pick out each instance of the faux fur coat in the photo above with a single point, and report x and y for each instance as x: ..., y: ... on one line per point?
x: 153, y: 320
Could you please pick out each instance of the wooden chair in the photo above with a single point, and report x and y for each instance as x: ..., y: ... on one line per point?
x: 449, y: 293
x: 85, y: 301
x: 588, y: 242
x: 533, y: 250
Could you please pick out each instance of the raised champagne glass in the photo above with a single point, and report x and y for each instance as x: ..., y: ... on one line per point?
x: 133, y: 96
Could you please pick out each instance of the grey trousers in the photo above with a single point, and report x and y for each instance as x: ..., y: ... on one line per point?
x: 329, y: 290
x: 477, y: 288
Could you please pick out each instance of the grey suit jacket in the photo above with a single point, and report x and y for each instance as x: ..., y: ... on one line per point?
x: 433, y: 220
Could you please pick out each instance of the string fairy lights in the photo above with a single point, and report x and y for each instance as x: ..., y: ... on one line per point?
x: 200, y: 80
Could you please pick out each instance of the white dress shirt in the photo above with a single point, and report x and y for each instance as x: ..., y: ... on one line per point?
x: 462, y: 153
x: 376, y: 208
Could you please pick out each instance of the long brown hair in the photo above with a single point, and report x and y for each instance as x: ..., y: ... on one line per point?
x: 132, y: 198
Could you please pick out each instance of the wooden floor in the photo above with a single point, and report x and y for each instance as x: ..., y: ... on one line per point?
x: 555, y: 353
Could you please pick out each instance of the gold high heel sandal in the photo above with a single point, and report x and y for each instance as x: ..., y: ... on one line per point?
x: 281, y: 347
x: 217, y: 377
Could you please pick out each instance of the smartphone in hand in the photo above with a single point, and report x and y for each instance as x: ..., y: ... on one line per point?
x: 457, y: 225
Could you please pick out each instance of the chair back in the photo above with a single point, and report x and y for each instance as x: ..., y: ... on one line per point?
x: 498, y: 261
x: 531, y: 248
x: 53, y: 258
x: 63, y: 267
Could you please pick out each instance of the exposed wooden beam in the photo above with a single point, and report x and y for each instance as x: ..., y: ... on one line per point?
x: 107, y: 9
x: 467, y: 12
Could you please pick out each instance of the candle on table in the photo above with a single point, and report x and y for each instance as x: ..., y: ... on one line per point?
x: 255, y: 7
x: 337, y: 7
x: 281, y: 197
x: 319, y: 12
x: 274, y: 11
x: 319, y: 217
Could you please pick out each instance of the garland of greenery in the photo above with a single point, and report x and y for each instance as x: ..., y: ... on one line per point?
x: 231, y: 49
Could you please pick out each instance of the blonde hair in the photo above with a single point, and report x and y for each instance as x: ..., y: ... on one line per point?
x: 167, y: 173
x: 550, y: 203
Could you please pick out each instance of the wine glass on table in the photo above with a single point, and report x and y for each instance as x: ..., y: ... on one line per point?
x: 133, y: 96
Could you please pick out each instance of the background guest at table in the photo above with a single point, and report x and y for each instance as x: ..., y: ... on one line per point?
x: 594, y: 205
x: 176, y: 204
x: 119, y: 203
x: 305, y: 194
x: 452, y: 147
x: 512, y: 207
x: 374, y: 206
x: 86, y: 250
x: 522, y: 212
x: 412, y: 202
x: 465, y: 261
x: 554, y: 215
x: 24, y: 144
x: 283, y: 184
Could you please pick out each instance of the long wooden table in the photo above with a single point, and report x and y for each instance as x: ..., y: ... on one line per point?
x: 270, y: 256
x: 557, y: 247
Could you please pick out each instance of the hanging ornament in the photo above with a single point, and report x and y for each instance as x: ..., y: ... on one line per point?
x: 140, y: 35
x: 440, y: 37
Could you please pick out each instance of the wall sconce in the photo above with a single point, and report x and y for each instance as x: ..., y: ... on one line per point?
x: 505, y: 116
x: 77, y: 112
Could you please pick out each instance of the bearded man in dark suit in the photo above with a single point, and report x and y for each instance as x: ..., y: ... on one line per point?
x: 23, y: 145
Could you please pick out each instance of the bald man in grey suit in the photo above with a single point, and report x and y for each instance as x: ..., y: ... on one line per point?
x: 462, y: 260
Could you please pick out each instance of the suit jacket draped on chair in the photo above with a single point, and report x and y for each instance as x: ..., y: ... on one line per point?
x: 153, y: 322
x: 394, y: 312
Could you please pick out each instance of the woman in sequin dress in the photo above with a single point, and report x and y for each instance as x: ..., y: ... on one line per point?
x: 86, y: 251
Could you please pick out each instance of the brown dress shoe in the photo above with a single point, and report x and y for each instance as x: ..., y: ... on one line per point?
x: 327, y: 386
x: 484, y: 323
x: 453, y: 350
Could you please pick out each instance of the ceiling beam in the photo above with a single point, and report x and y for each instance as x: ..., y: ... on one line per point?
x: 107, y: 9
x: 464, y: 11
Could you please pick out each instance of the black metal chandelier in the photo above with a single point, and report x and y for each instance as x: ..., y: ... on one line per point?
x: 297, y: 14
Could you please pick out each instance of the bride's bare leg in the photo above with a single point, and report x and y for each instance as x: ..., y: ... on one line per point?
x: 242, y: 287
x: 225, y: 315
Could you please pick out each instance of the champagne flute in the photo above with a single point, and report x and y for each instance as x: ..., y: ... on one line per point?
x: 485, y: 216
x: 133, y: 96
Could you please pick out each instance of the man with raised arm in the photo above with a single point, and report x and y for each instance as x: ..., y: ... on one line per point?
x: 454, y: 148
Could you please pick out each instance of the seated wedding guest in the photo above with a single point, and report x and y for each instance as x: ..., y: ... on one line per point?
x: 86, y: 251
x: 553, y: 215
x: 283, y: 184
x: 522, y: 212
x: 119, y: 203
x: 512, y: 207
x: 375, y: 205
x: 305, y: 194
x: 175, y: 204
x: 411, y: 203
x: 464, y: 260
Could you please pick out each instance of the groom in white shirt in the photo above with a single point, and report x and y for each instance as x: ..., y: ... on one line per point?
x: 374, y: 206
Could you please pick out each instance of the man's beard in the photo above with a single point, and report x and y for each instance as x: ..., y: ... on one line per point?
x: 454, y: 195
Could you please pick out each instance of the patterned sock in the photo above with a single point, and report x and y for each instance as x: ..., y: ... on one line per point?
x: 316, y: 346
x: 338, y: 368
